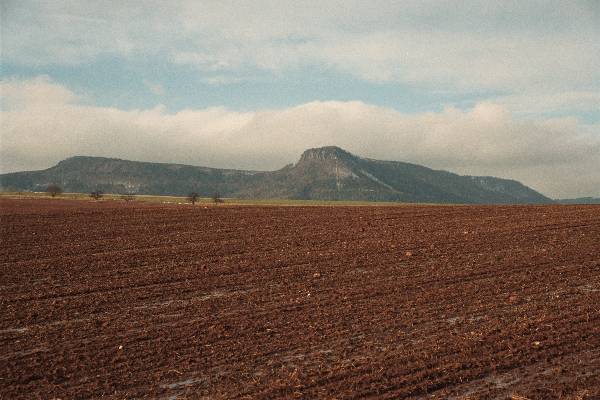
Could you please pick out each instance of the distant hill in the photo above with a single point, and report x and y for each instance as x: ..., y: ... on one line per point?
x: 580, y: 200
x: 326, y: 173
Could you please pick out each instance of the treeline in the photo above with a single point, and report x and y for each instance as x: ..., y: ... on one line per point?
x: 54, y: 190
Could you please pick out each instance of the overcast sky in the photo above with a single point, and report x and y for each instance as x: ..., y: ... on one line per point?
x: 509, y: 88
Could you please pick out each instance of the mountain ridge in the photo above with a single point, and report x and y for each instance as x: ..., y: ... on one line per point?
x: 321, y: 173
x: 579, y: 200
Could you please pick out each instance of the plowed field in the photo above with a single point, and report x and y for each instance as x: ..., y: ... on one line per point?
x: 128, y: 300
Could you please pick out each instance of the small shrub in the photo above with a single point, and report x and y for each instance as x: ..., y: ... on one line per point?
x: 53, y: 189
x: 193, y: 197
x: 216, y: 198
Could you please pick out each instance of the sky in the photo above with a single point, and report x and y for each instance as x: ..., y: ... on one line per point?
x: 509, y: 89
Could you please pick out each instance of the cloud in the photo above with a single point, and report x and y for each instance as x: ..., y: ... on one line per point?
x: 30, y: 93
x: 467, y: 60
x: 43, y: 124
x: 525, y: 51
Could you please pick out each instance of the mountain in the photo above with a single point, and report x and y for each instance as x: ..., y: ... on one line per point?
x: 326, y: 173
x: 580, y: 200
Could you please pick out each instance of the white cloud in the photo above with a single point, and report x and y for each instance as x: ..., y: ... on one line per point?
x: 467, y: 60
x: 38, y: 91
x: 525, y: 50
x: 42, y: 125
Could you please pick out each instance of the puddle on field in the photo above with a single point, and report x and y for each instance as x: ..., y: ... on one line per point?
x: 215, y: 295
x: 155, y: 305
x: 460, y: 319
x: 299, y: 357
x: 13, y: 330
x: 358, y: 271
x: 454, y: 320
x: 495, y: 381
x: 22, y: 353
x: 504, y: 381
x: 46, y: 324
x: 209, y: 296
x: 292, y: 357
x: 184, y: 383
x: 589, y: 288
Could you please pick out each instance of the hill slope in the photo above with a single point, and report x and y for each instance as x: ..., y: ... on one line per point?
x: 580, y: 200
x: 326, y: 173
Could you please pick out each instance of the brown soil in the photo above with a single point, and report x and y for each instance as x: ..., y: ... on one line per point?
x: 127, y: 300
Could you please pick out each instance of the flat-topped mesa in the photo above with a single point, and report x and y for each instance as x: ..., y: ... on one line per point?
x: 324, y: 173
x: 326, y: 153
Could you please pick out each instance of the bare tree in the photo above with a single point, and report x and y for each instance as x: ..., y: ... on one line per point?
x: 193, y: 197
x: 96, y: 195
x: 216, y: 198
x: 53, y: 189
